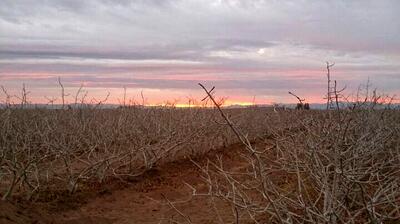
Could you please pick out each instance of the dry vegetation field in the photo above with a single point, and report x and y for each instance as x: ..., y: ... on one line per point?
x: 200, y: 165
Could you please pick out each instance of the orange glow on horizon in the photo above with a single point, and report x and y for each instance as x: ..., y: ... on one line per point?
x: 43, y: 87
x: 186, y: 105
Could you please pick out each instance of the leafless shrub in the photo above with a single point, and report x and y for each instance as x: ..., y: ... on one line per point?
x: 300, y: 105
x: 333, y: 166
x: 327, y: 167
x: 44, y: 150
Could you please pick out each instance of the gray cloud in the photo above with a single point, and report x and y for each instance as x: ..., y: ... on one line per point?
x: 226, y: 39
x: 345, y: 25
x: 182, y: 50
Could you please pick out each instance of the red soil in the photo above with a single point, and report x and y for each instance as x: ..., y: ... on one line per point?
x: 142, y: 200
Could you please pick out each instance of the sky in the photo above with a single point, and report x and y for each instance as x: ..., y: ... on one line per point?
x: 251, y: 51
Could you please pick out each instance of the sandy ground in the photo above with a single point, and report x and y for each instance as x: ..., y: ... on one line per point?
x: 142, y: 200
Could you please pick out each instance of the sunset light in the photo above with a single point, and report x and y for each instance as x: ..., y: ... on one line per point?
x: 245, y: 49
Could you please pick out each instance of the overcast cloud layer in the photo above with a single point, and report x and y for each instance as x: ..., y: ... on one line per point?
x: 246, y: 48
